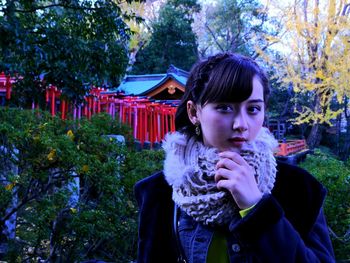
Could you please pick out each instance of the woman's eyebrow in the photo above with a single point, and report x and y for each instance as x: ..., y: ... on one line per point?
x: 256, y: 101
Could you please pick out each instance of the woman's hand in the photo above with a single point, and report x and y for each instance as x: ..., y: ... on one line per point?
x: 238, y: 177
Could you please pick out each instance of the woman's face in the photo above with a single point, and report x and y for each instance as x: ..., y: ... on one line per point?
x: 227, y: 126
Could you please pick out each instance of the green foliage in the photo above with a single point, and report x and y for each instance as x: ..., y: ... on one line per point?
x: 172, y: 41
x: 335, y: 176
x: 139, y: 165
x: 50, y: 155
x: 69, y: 44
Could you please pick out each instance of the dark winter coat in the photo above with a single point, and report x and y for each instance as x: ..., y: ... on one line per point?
x: 287, y: 225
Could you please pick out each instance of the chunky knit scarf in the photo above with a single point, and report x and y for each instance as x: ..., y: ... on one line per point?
x: 189, y: 168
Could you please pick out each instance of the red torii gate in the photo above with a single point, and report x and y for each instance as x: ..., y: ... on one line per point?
x: 51, y: 94
x: 150, y: 120
x: 6, y: 85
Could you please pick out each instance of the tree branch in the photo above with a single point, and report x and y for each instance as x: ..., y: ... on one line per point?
x: 28, y: 198
x: 213, y: 35
x: 255, y: 55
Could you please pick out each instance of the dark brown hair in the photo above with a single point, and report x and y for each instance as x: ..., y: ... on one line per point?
x: 225, y: 77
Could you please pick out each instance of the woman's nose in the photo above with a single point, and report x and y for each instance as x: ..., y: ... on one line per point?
x: 240, y: 123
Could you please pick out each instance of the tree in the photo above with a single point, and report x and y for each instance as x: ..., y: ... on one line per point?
x: 73, y: 188
x: 334, y: 175
x: 317, y: 58
x: 69, y: 44
x: 68, y: 190
x: 172, y: 41
x: 235, y: 26
x: 139, y: 26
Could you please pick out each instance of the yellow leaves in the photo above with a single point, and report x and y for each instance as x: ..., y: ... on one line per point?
x: 319, y: 74
x: 42, y: 126
x: 140, y: 32
x: 308, y: 115
x: 70, y: 135
x: 13, y: 180
x: 304, y: 116
x: 134, y: 42
x: 331, y: 10
x: 85, y: 168
x: 135, y: 28
x: 271, y: 38
x: 10, y: 186
x: 73, y: 210
x: 309, y: 86
x: 317, y: 62
x: 52, y: 155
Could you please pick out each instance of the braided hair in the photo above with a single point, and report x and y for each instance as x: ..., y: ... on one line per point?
x: 225, y: 77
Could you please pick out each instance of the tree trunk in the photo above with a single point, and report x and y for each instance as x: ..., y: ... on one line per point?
x: 345, y: 151
x: 315, y: 136
x: 338, y: 131
x: 8, y: 222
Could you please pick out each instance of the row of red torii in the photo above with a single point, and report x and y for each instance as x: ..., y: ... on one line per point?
x: 150, y: 120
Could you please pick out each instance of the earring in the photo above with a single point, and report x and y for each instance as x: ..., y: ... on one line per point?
x: 198, y: 128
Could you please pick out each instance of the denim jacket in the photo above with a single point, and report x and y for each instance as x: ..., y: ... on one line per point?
x: 287, y: 225
x: 196, y: 238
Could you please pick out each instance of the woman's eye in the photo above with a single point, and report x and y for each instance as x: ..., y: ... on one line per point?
x: 254, y: 109
x: 224, y: 108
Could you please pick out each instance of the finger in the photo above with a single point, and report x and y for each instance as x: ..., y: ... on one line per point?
x: 227, y: 163
x: 223, y: 174
x: 236, y: 157
x: 229, y: 185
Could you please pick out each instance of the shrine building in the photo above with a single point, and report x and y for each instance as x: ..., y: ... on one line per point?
x: 168, y: 86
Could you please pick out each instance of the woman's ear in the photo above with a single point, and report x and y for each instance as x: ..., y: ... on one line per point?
x: 192, y: 111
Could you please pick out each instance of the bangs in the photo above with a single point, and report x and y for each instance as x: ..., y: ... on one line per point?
x: 231, y: 81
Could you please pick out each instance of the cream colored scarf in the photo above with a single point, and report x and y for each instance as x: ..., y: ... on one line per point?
x: 189, y: 168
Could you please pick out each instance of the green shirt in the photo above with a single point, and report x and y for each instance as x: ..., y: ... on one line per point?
x: 218, y: 247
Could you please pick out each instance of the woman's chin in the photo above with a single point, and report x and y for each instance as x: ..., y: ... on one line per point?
x: 230, y: 149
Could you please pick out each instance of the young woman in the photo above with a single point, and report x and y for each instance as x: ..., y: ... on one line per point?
x: 222, y: 197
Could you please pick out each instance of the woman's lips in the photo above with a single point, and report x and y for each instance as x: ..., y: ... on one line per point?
x: 237, y: 141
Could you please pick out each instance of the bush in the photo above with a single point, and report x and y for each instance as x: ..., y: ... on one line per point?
x: 138, y: 165
x: 56, y: 159
x: 335, y: 176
